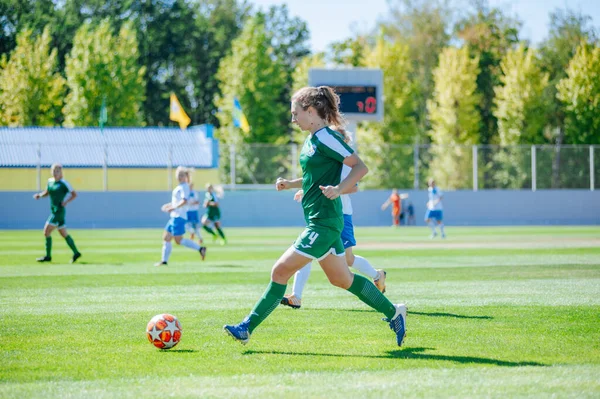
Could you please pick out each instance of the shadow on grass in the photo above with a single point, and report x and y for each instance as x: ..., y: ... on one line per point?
x: 178, y: 351
x: 457, y: 316
x: 431, y: 314
x: 407, y: 353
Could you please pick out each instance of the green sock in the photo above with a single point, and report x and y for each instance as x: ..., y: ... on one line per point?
x: 266, y: 304
x: 49, y: 247
x: 366, y: 291
x: 211, y: 231
x: 71, y: 244
x: 220, y: 232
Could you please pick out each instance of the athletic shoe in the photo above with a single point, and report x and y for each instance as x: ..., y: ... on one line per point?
x: 292, y: 301
x: 432, y: 236
x: 239, y: 332
x: 202, y: 251
x: 443, y: 235
x: 214, y: 238
x: 398, y: 323
x: 44, y: 259
x: 223, y: 241
x: 157, y: 264
x: 75, y: 257
x: 380, y: 282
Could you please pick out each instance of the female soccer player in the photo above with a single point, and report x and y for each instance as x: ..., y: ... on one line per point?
x: 177, y: 208
x: 358, y: 262
x: 193, y: 219
x: 213, y: 213
x: 61, y: 193
x: 435, y: 209
x: 314, y: 109
x: 394, y: 200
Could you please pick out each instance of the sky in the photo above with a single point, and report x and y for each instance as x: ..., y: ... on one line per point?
x: 334, y: 20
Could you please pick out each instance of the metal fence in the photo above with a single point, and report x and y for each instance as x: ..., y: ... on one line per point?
x: 474, y: 168
x: 256, y: 166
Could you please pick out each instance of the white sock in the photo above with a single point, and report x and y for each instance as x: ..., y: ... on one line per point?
x: 300, y: 279
x: 197, y: 232
x: 363, y: 266
x: 442, y: 228
x: 190, y: 244
x: 166, y: 251
x: 432, y: 226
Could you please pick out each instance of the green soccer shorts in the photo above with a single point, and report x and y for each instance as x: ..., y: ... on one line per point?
x: 320, y: 239
x: 57, y: 219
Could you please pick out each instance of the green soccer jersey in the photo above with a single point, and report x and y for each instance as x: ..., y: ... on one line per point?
x: 58, y: 190
x: 322, y: 158
x: 213, y: 212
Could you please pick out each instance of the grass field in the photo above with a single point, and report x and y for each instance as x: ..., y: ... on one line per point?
x: 493, y: 312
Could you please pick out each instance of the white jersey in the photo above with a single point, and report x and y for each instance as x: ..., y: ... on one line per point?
x: 346, y: 202
x: 435, y: 199
x: 193, y: 198
x: 182, y: 191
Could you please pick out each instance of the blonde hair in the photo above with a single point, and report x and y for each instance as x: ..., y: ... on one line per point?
x: 55, y: 166
x: 182, y: 170
x: 327, y: 104
x: 219, y: 192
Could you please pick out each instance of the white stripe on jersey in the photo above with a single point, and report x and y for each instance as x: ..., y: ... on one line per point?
x: 346, y: 202
x: 67, y: 184
x: 327, y: 139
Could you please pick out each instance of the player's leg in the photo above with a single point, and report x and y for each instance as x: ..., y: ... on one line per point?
x: 429, y: 221
x: 205, y: 225
x: 440, y: 222
x: 178, y: 231
x: 70, y: 242
x: 220, y: 231
x: 285, y: 267
x: 48, y: 229
x: 300, y: 278
x: 339, y: 275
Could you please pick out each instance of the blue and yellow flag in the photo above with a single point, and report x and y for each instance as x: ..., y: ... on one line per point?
x: 239, y: 119
x: 177, y: 114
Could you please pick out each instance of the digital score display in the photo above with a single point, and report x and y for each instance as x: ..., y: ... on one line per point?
x: 357, y: 99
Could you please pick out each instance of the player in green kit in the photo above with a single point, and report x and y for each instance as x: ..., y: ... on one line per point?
x: 213, y: 213
x: 323, y: 154
x: 61, y: 193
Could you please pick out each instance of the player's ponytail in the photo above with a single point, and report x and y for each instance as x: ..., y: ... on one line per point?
x: 327, y: 104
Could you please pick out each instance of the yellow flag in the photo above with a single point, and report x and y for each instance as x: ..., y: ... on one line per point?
x: 177, y: 114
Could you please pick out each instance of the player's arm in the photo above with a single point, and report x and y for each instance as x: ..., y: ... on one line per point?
x: 285, y: 184
x: 41, y: 195
x: 359, y: 169
x: 72, y: 196
x: 169, y: 207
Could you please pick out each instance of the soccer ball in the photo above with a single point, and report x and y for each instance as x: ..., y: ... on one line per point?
x: 164, y: 331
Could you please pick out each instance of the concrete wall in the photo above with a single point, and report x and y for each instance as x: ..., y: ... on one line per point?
x: 18, y: 210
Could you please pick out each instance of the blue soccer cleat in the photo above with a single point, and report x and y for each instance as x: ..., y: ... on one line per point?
x: 239, y: 332
x: 398, y: 323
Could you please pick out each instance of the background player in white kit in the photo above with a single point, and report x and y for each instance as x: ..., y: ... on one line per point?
x: 294, y: 300
x: 435, y: 209
x: 175, y: 228
x: 193, y: 214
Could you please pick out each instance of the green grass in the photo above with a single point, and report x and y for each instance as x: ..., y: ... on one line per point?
x: 493, y: 312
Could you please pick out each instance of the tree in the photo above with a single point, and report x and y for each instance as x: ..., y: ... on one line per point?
x: 580, y: 94
x: 387, y: 146
x: 520, y: 111
x: 254, y: 75
x: 18, y: 15
x: 423, y: 25
x: 455, y: 120
x: 31, y: 90
x: 103, y: 66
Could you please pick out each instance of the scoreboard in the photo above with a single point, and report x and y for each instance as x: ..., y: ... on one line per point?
x: 357, y: 99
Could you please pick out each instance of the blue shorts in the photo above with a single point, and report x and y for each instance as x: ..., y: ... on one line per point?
x: 437, y: 215
x: 348, y: 232
x: 193, y: 217
x: 176, y: 226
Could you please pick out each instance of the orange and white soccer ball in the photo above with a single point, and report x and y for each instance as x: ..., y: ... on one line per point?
x: 164, y: 331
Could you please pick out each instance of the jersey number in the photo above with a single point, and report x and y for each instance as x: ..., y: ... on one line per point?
x: 313, y: 237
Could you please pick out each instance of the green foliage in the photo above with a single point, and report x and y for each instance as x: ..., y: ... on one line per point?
x: 350, y: 52
x: 104, y: 66
x: 424, y: 26
x: 580, y: 93
x: 254, y: 75
x: 31, y: 91
x: 383, y: 145
x: 520, y: 111
x: 454, y: 117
